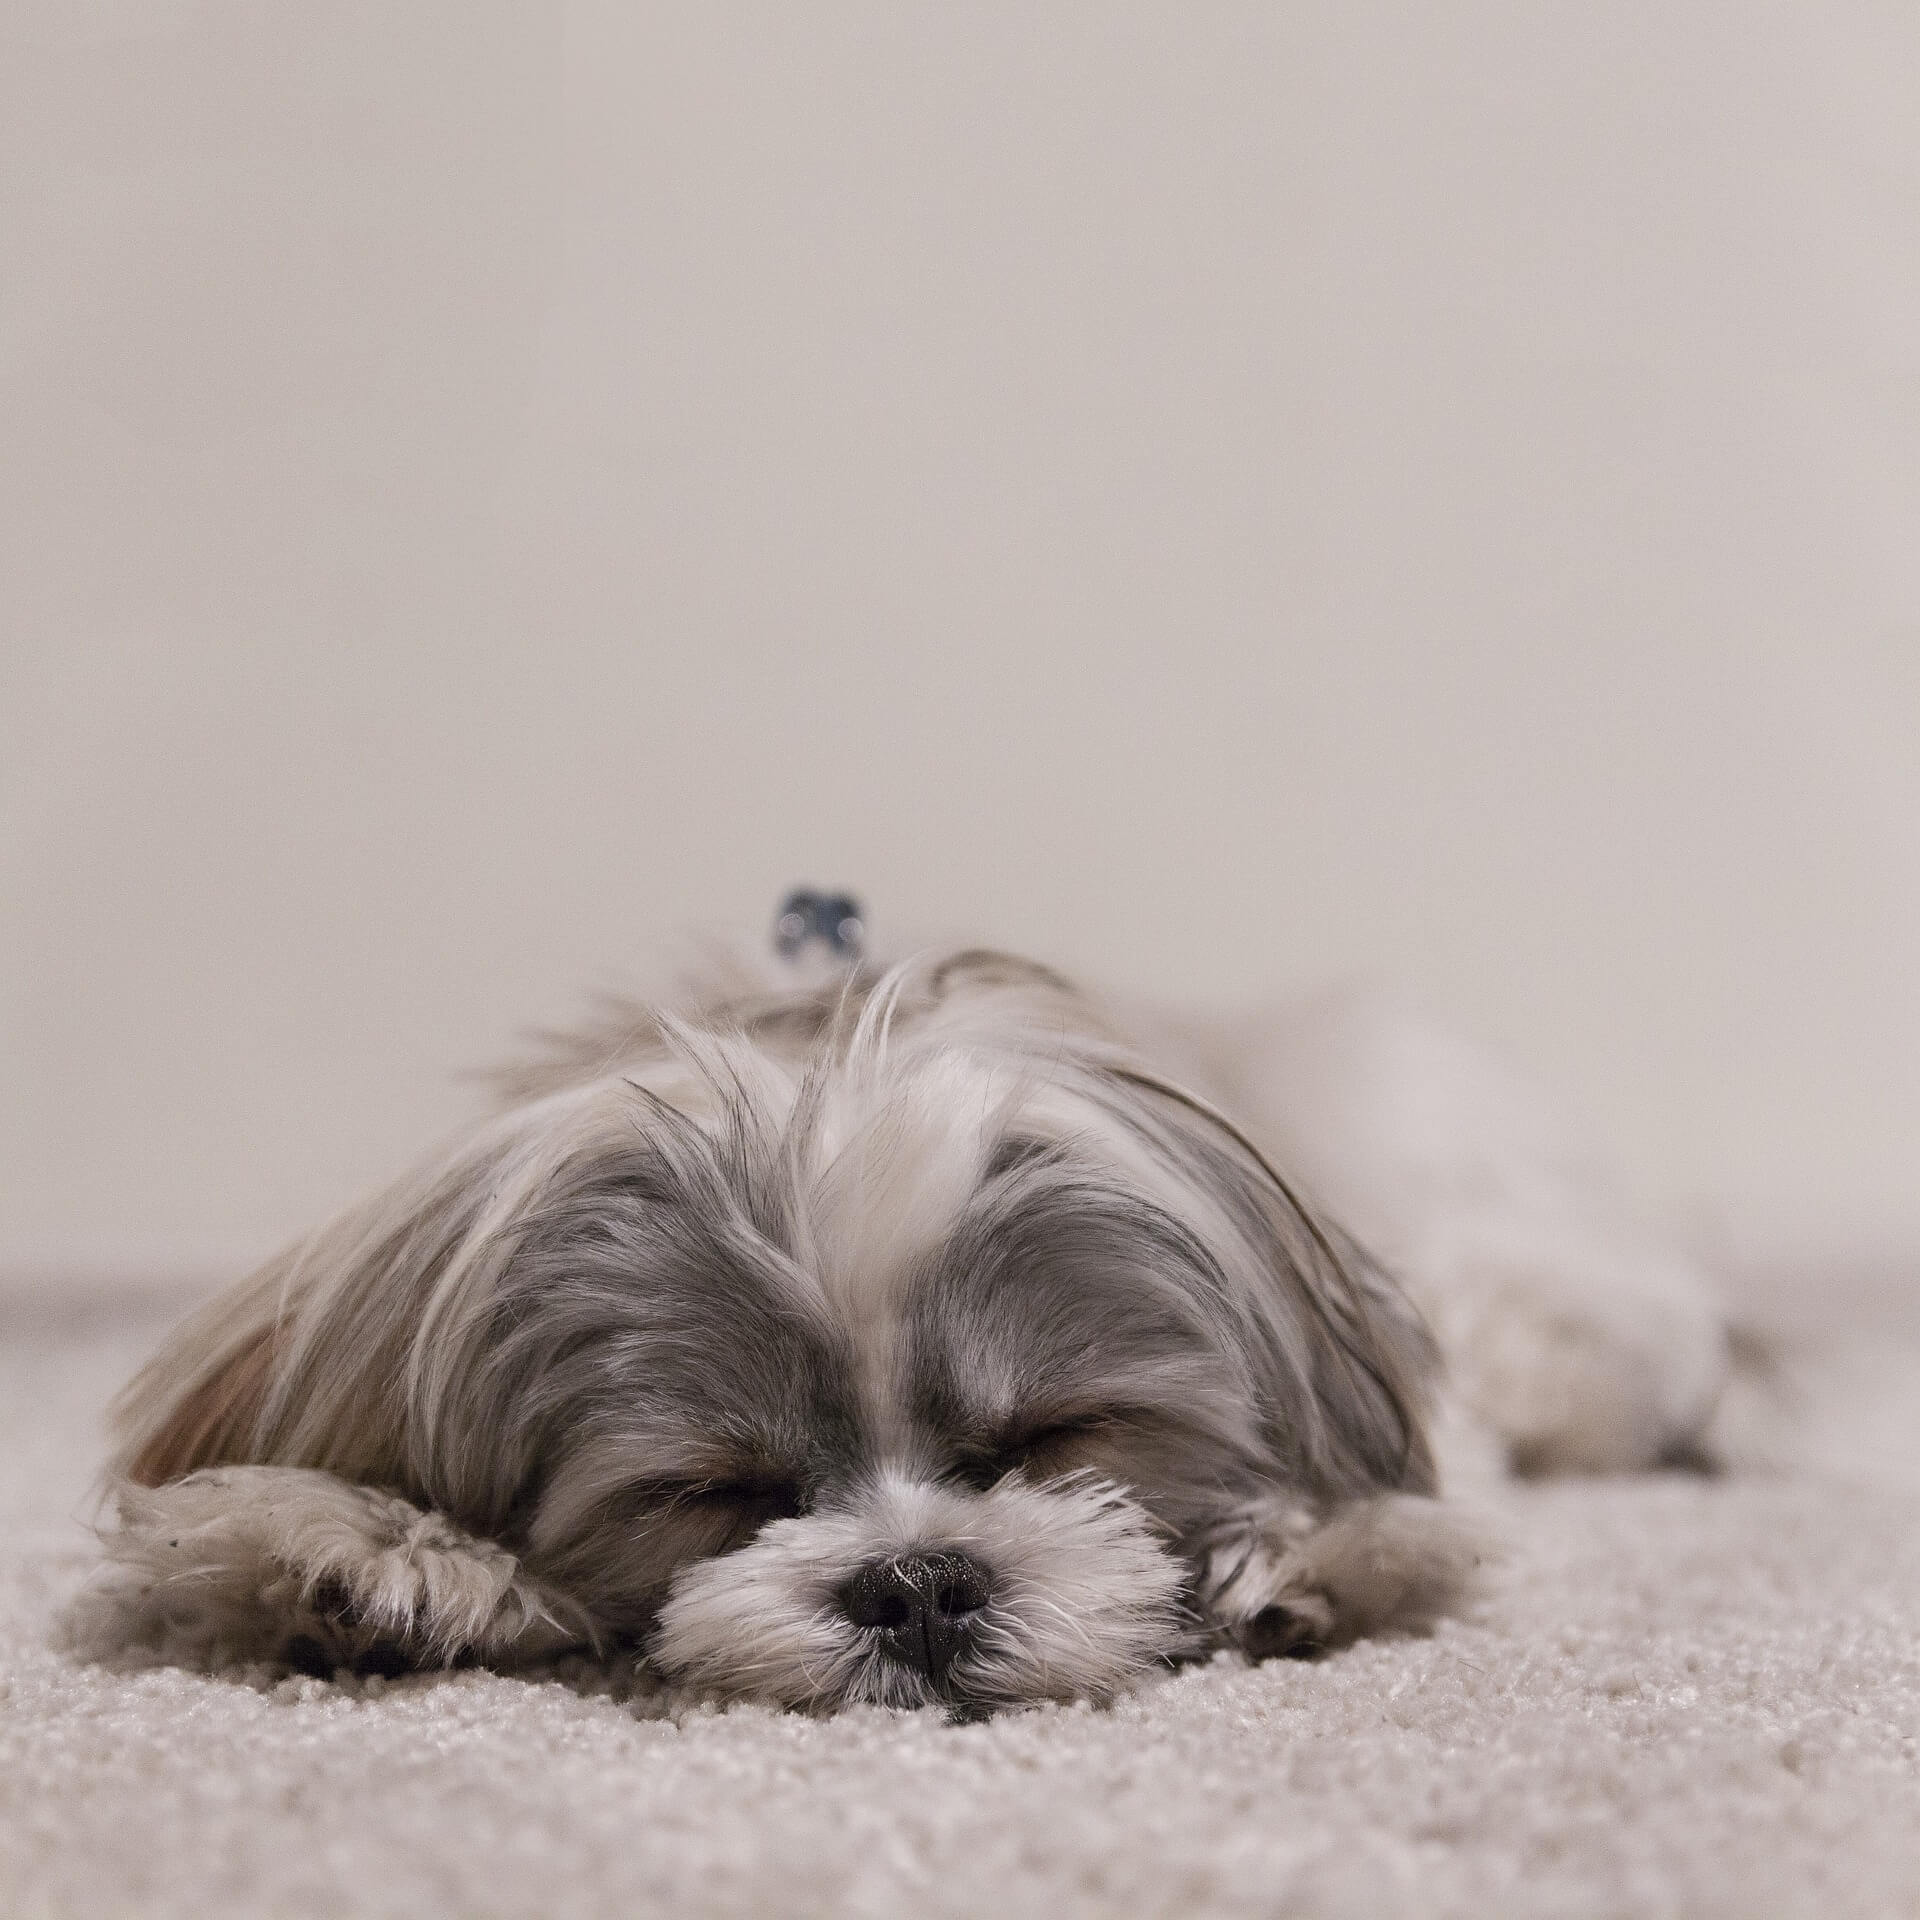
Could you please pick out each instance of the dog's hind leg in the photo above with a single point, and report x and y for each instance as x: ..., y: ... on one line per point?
x: 284, y: 1564
x: 1577, y: 1335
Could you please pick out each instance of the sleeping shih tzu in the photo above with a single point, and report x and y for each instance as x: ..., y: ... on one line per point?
x: 928, y: 1334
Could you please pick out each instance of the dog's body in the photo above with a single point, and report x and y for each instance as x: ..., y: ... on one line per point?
x: 927, y: 1335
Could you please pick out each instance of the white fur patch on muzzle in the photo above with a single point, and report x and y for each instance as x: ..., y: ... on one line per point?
x: 1082, y: 1597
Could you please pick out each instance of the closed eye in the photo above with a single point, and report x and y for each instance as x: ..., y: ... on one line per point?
x: 756, y: 1498
x: 1033, y: 1449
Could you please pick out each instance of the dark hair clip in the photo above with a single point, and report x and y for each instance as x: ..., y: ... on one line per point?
x: 834, y: 919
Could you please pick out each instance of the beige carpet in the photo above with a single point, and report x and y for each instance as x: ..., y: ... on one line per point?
x: 1685, y: 1697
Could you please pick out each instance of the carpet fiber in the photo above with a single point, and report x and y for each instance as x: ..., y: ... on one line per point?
x: 1681, y: 1697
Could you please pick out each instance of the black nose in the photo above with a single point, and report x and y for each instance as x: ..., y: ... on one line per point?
x: 920, y: 1605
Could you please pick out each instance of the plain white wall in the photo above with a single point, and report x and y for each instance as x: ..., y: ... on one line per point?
x: 1221, y: 495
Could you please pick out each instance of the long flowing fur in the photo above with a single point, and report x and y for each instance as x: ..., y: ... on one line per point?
x: 738, y: 1297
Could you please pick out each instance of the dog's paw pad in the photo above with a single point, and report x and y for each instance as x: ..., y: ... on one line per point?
x: 384, y: 1659
x: 1280, y: 1633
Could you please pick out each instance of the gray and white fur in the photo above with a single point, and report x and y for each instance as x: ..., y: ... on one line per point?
x: 900, y: 1336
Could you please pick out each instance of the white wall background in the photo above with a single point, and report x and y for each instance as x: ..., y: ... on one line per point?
x: 1221, y: 495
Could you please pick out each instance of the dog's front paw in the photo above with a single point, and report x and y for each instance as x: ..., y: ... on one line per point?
x: 1299, y: 1630
x: 238, y: 1564
x: 1280, y: 1582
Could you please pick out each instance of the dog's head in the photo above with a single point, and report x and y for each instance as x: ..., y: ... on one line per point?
x: 913, y: 1349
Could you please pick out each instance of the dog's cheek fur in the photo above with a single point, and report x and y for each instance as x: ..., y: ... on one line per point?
x: 1084, y: 1599
x: 617, y: 1562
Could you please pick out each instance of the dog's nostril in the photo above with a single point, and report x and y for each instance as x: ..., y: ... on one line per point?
x: 962, y: 1589
x: 883, y: 1610
x: 919, y: 1605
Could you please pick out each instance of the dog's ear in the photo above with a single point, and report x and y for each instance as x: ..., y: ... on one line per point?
x: 369, y: 1350
x: 1345, y: 1360
x: 170, y: 1430
x: 309, y: 1362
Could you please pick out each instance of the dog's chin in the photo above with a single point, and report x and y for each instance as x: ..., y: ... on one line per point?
x: 1079, y: 1597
